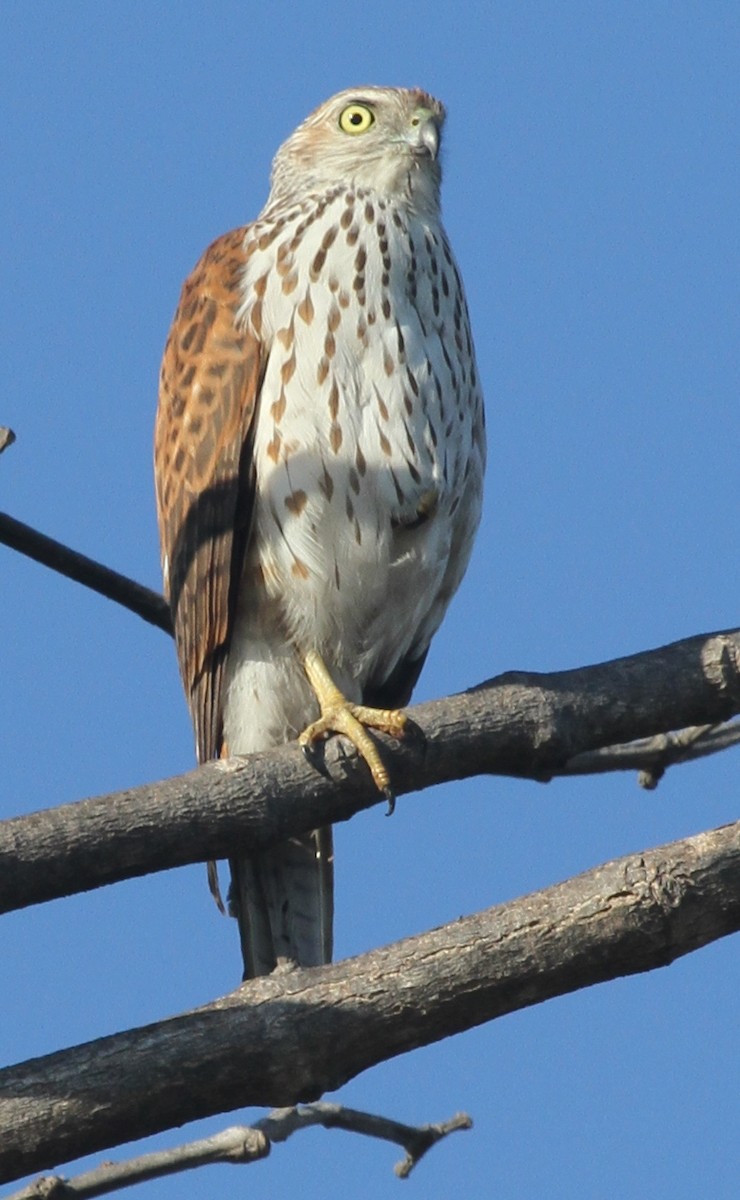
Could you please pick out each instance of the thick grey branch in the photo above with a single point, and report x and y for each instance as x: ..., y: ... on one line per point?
x: 651, y: 756
x: 296, y: 1034
x: 529, y: 726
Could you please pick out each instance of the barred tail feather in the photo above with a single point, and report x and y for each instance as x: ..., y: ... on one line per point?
x: 283, y: 899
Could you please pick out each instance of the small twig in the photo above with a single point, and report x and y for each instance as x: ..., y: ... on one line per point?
x: 415, y: 1139
x: 134, y: 596
x: 238, y: 1144
x: 652, y: 757
x: 7, y: 437
x: 242, y: 1144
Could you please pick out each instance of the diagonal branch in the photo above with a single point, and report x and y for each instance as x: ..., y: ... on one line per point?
x: 651, y: 756
x: 148, y: 605
x: 530, y: 726
x: 295, y: 1034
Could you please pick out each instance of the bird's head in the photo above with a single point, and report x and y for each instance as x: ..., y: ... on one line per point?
x: 387, y: 139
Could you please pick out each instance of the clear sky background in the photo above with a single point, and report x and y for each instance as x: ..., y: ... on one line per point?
x: 591, y: 194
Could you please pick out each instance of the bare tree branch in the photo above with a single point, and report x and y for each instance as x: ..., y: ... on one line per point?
x: 299, y: 1033
x: 415, y: 1139
x: 238, y: 1144
x: 530, y: 726
x: 134, y: 596
x: 295, y: 1034
x: 241, y: 1144
x: 650, y: 756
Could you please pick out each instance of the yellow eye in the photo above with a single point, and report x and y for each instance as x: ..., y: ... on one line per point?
x: 356, y: 118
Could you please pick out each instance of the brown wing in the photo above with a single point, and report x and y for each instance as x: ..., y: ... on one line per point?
x: 209, y: 386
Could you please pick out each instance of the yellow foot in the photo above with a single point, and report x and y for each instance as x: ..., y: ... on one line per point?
x: 339, y: 715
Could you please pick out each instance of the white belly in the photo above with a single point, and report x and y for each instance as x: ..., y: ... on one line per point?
x: 368, y: 452
x: 364, y: 591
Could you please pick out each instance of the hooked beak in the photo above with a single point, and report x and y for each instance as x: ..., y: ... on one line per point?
x: 424, y: 134
x: 429, y: 136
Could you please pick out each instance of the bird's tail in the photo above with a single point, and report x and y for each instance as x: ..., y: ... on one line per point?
x: 283, y: 899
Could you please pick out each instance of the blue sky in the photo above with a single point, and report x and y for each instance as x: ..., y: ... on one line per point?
x: 591, y: 194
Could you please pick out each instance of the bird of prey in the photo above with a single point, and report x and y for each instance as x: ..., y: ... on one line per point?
x: 319, y: 458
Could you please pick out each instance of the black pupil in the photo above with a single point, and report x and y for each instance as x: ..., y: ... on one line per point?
x: 356, y: 118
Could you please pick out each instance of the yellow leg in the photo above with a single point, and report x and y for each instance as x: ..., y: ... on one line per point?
x: 338, y: 715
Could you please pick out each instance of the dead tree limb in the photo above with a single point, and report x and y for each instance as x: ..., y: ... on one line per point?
x: 525, y: 725
x: 652, y: 756
x: 297, y: 1034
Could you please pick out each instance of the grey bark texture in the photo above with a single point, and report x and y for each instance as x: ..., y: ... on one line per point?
x: 296, y: 1034
x: 526, y: 725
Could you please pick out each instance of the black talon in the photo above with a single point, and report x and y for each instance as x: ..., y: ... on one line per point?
x: 414, y: 734
x: 391, y: 799
x: 313, y: 752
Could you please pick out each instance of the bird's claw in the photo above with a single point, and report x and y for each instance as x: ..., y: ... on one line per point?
x: 339, y: 715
